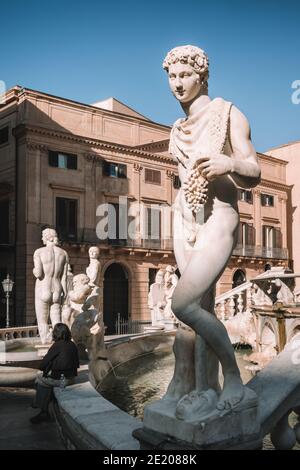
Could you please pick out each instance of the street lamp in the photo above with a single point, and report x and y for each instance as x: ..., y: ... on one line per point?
x: 7, y: 287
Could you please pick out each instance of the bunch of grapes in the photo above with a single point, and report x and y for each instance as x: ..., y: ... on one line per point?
x: 195, y: 190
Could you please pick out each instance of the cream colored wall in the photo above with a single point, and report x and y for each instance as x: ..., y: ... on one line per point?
x: 291, y: 153
x: 91, y: 122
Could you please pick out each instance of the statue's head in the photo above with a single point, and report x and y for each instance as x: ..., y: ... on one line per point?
x: 49, y: 235
x: 187, y: 67
x: 80, y: 280
x: 168, y: 275
x: 94, y: 252
x: 159, y: 278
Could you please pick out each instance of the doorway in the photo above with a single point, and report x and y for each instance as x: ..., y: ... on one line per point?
x: 115, y: 296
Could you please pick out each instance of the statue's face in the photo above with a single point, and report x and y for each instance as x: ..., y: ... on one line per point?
x: 94, y: 253
x: 184, y: 82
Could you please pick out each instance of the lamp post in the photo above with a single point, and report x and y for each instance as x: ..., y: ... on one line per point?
x: 7, y: 287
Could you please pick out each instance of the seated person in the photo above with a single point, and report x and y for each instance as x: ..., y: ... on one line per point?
x: 60, y: 363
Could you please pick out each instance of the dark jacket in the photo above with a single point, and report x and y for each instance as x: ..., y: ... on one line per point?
x: 62, y: 358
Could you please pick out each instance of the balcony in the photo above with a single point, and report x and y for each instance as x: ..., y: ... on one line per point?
x: 89, y: 236
x: 253, y: 251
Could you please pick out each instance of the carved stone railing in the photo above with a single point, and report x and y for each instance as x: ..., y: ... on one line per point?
x: 236, y: 300
x: 18, y: 332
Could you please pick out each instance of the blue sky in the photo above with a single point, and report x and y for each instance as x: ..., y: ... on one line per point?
x: 88, y: 51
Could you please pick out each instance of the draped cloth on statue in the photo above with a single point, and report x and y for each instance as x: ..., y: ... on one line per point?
x: 203, y: 134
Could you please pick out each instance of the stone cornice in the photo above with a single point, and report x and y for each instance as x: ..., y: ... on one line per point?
x: 96, y: 144
x: 36, y: 146
x: 62, y: 187
x: 274, y: 185
x: 274, y: 160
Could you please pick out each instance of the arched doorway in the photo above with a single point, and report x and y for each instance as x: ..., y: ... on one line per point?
x: 115, y: 296
x: 239, y: 278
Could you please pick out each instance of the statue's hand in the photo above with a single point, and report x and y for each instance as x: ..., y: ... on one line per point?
x: 212, y: 167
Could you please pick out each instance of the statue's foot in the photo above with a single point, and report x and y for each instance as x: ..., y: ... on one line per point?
x: 196, y: 405
x: 232, y: 394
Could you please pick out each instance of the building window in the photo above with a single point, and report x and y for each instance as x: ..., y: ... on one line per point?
x: 272, y: 237
x: 117, y: 224
x: 176, y: 182
x: 245, y: 196
x: 152, y: 223
x: 267, y: 200
x: 4, y: 135
x: 152, y: 276
x: 4, y: 218
x: 246, y: 236
x: 63, y: 160
x: 66, y: 218
x: 115, y: 170
x: 152, y: 176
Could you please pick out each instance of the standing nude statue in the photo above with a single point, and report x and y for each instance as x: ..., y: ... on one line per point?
x: 215, y: 155
x: 50, y: 269
x: 93, y: 269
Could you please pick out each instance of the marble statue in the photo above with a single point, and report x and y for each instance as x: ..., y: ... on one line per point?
x: 170, y: 283
x: 214, y: 152
x: 76, y: 298
x: 156, y: 299
x: 50, y: 269
x: 93, y: 269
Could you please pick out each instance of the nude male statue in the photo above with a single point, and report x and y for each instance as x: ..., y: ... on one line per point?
x: 215, y: 155
x: 94, y: 268
x: 50, y: 269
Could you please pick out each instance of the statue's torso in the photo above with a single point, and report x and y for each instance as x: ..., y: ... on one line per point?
x: 202, y: 136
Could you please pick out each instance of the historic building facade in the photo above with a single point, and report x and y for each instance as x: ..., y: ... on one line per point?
x: 61, y: 162
x: 291, y: 154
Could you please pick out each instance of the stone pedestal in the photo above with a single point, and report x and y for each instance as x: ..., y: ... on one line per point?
x: 235, y: 428
x: 42, y: 349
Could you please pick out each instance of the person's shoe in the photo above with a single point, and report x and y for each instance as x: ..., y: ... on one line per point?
x: 42, y: 416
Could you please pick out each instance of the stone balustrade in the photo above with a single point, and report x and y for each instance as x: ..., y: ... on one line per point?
x: 18, y: 332
x: 236, y: 300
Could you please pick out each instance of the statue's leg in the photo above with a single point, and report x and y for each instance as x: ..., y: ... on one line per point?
x: 206, y: 361
x: 55, y: 314
x: 183, y: 380
x: 208, y: 262
x: 42, y: 315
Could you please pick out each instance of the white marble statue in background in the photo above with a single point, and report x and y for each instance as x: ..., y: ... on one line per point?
x: 170, y: 283
x: 50, y: 269
x: 93, y: 269
x: 156, y: 299
x: 77, y: 296
x: 214, y: 152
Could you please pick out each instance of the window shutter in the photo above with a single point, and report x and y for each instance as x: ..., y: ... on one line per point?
x: 264, y: 234
x: 53, y: 158
x: 105, y: 168
x: 122, y: 171
x: 250, y: 235
x: 4, y: 135
x: 278, y: 238
x: 72, y: 162
x: 240, y: 234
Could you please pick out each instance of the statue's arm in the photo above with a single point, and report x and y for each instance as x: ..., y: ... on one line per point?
x: 245, y: 169
x: 38, y: 271
x: 242, y: 165
x: 65, y: 275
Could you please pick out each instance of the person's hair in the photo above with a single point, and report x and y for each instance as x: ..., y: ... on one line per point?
x: 61, y: 332
x: 192, y: 55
